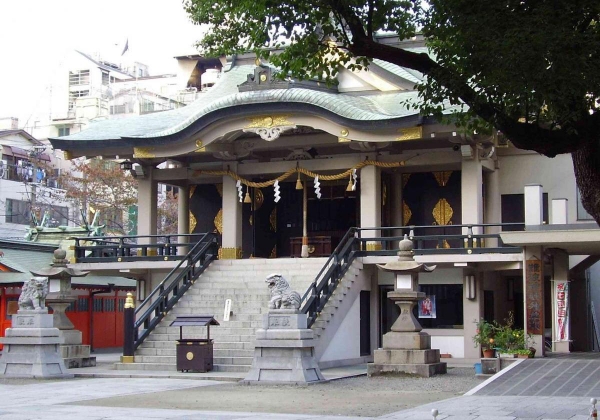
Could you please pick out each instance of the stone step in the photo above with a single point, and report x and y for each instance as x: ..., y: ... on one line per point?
x: 174, y: 337
x: 162, y: 360
x: 231, y: 368
x: 194, y: 311
x: 242, y: 281
x: 196, y: 331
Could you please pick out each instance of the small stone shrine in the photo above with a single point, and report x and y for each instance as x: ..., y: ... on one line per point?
x: 73, y: 351
x: 31, y: 346
x: 406, y: 349
x: 284, y: 349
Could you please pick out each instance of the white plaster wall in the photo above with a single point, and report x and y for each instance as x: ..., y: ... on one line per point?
x: 453, y: 345
x: 555, y: 175
x: 346, y: 341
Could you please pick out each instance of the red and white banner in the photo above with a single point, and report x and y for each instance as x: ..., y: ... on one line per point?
x: 561, y: 310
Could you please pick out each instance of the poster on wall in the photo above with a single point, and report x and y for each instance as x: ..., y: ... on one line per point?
x: 561, y: 295
x: 427, y: 307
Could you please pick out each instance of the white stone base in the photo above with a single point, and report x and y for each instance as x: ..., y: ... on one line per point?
x: 32, y: 348
x: 284, y: 355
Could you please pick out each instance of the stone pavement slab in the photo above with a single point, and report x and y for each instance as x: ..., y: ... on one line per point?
x: 500, y: 408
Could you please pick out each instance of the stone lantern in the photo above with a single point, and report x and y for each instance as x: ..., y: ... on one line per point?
x: 406, y: 349
x: 59, y: 277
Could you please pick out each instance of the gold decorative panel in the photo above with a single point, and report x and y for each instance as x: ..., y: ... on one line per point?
x: 230, y: 253
x: 143, y: 153
x: 406, y: 213
x: 442, y: 177
x: 192, y: 190
x: 219, y: 221
x: 273, y: 252
x: 405, y: 178
x: 411, y: 133
x: 442, y: 212
x: 68, y: 155
x: 343, y: 140
x: 266, y: 121
x: 192, y: 222
x: 273, y: 219
x: 219, y: 188
x: 259, y: 198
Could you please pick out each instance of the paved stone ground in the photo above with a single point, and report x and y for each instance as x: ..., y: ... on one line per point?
x: 548, y: 377
x: 128, y: 398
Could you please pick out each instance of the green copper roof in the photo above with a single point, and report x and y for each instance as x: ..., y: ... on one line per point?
x: 366, y: 108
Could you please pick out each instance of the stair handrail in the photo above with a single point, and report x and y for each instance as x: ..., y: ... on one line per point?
x: 334, y: 269
x: 178, y: 280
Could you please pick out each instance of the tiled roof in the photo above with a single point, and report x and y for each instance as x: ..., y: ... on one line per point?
x: 225, y: 94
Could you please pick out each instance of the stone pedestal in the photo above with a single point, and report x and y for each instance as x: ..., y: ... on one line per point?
x: 74, y: 353
x: 32, y: 347
x: 284, y: 351
x: 406, y: 349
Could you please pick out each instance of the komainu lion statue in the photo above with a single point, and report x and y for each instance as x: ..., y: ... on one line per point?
x: 282, y: 296
x: 33, y: 294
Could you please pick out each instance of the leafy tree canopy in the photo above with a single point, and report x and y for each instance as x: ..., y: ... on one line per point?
x: 528, y: 68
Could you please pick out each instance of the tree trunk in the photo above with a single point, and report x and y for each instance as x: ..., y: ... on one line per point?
x: 586, y: 162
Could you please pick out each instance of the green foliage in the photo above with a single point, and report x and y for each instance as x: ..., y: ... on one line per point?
x: 316, y: 38
x: 484, y: 336
x: 509, y: 339
x: 532, y: 60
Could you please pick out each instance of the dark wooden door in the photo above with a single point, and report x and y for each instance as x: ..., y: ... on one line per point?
x: 365, y: 323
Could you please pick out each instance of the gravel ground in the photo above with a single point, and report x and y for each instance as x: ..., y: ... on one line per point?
x: 359, y: 396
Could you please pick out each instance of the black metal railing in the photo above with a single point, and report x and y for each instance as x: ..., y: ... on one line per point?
x: 134, y: 248
x: 454, y: 239
x: 331, y: 274
x: 154, y: 308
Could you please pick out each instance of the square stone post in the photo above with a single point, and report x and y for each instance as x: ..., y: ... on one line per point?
x: 493, y: 206
x: 232, y: 218
x: 471, y: 182
x: 147, y: 205
x: 370, y: 204
x: 183, y: 218
x: 534, y: 209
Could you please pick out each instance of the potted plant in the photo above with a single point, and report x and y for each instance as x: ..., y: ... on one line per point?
x: 508, y: 340
x: 484, y: 337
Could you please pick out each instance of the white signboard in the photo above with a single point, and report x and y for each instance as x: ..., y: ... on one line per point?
x: 227, y: 310
x: 561, y: 310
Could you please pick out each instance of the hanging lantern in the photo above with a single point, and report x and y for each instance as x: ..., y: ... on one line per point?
x: 247, y: 199
x: 298, y: 182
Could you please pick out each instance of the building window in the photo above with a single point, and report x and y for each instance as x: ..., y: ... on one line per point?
x: 582, y: 213
x: 74, y: 94
x: 18, y: 211
x: 447, y: 306
x: 64, y: 131
x: 147, y: 106
x: 79, y: 77
x: 105, y: 78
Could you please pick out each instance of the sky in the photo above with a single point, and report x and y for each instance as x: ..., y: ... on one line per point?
x: 35, y: 36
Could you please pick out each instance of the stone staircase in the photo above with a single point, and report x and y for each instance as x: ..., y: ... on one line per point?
x: 242, y: 281
x: 334, y: 305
